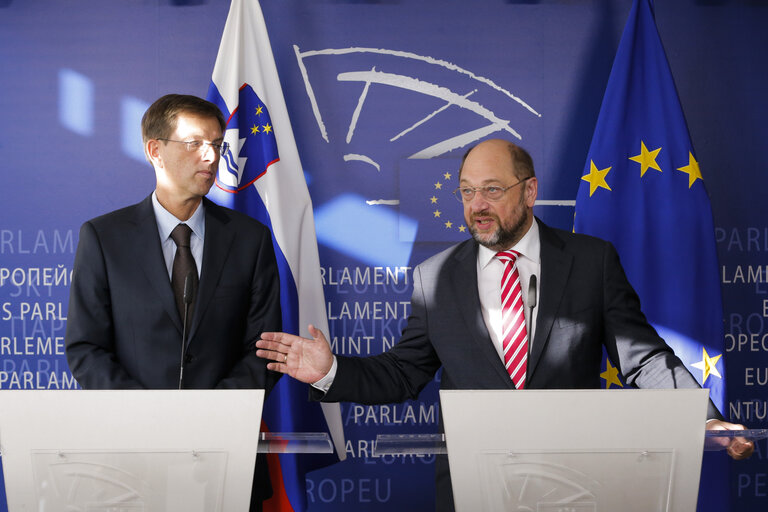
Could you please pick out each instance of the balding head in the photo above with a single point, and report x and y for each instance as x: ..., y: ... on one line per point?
x: 521, y: 161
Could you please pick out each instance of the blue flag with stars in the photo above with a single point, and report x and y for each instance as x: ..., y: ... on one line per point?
x: 642, y: 190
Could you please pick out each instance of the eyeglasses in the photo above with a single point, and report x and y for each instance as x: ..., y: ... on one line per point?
x: 491, y: 193
x: 199, y: 145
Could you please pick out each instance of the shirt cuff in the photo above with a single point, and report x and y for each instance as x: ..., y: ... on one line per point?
x: 325, y: 383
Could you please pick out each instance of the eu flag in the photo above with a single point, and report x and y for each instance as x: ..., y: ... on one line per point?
x: 642, y: 189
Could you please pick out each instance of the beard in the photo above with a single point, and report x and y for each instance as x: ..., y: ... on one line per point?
x: 505, y: 236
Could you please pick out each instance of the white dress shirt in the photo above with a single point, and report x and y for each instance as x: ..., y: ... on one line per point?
x: 489, y: 273
x: 166, y: 222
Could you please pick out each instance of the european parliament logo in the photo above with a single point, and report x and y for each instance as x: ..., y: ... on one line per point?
x: 426, y: 194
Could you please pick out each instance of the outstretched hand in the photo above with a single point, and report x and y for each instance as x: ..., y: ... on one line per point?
x: 307, y: 360
x: 737, y: 447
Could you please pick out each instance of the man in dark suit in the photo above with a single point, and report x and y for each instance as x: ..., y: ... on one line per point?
x: 458, y: 319
x: 125, y: 322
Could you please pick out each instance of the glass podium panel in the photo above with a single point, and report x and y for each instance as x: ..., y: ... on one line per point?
x: 294, y: 442
x: 434, y: 444
x: 562, y: 481
x: 128, y: 481
x: 409, y: 444
x: 715, y: 440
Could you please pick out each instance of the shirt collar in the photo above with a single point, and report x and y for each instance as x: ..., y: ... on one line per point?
x: 166, y: 221
x: 529, y: 247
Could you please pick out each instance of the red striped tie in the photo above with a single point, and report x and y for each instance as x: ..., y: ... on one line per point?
x: 514, y: 334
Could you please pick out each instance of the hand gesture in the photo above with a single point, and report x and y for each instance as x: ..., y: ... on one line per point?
x: 307, y: 360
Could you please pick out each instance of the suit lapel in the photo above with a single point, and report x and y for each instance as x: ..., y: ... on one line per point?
x: 555, y: 268
x: 148, y: 253
x: 219, y: 236
x: 463, y: 277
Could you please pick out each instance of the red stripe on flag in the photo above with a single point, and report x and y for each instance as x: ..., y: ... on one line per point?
x: 279, y: 501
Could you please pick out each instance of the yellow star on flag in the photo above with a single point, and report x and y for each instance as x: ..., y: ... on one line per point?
x: 646, y: 159
x: 438, y: 185
x: 462, y: 229
x: 267, y: 128
x: 708, y: 365
x: 447, y: 176
x: 692, y: 170
x: 433, y: 200
x: 258, y: 110
x: 437, y: 213
x: 254, y: 130
x: 448, y: 224
x: 611, y: 375
x: 596, y: 178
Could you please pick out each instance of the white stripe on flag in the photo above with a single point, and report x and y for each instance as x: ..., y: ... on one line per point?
x: 245, y: 56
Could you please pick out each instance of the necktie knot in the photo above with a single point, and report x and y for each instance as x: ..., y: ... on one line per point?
x: 181, y: 235
x: 507, y: 256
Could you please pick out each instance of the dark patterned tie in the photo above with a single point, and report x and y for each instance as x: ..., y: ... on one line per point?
x: 183, y: 265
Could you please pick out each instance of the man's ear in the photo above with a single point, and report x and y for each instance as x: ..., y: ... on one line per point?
x: 531, y: 191
x: 152, y: 152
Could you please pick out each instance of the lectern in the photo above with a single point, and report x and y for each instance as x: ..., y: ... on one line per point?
x: 575, y: 450
x: 129, y: 451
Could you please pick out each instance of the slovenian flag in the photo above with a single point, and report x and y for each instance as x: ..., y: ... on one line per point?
x: 262, y: 176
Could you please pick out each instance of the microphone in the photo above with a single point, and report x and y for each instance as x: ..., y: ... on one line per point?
x: 189, y: 292
x: 531, y: 306
x: 189, y: 298
x: 531, y: 292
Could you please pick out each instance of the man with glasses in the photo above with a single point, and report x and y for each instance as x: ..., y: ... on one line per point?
x: 173, y: 292
x: 519, y: 306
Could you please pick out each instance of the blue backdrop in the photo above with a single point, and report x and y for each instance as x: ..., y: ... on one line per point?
x: 382, y: 96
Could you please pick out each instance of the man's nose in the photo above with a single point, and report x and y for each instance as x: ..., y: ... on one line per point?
x: 208, y: 153
x: 478, y: 203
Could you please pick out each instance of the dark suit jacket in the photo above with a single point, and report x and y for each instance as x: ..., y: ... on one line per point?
x: 585, y: 303
x: 123, y: 328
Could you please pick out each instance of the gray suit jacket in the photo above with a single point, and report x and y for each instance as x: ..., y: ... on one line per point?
x: 585, y: 303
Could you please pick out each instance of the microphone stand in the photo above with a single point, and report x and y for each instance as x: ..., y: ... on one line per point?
x: 188, y: 299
